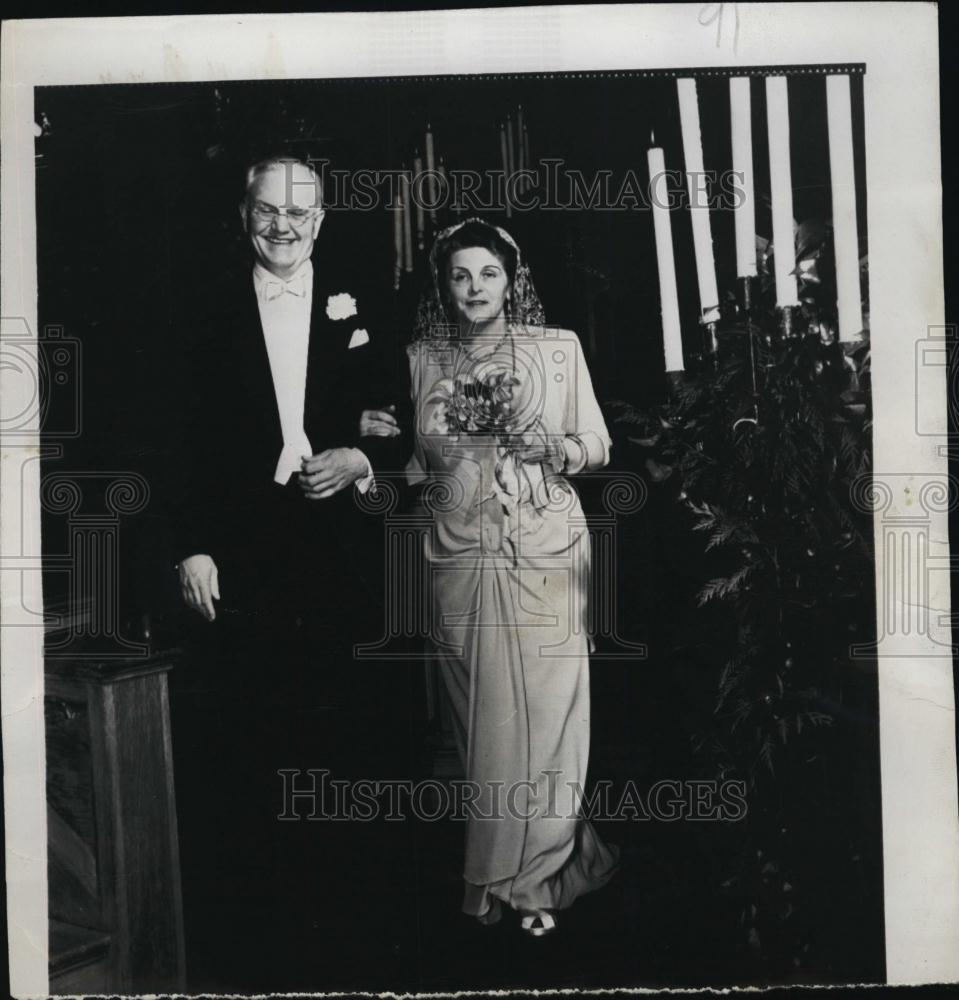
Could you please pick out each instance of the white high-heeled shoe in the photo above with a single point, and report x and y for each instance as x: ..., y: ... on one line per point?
x: 538, y: 923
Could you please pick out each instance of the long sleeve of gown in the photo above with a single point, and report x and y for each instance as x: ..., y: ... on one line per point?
x: 584, y: 417
x: 416, y: 465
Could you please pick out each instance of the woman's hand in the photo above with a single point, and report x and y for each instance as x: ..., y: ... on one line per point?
x: 584, y: 452
x: 200, y: 584
x: 536, y: 447
x: 379, y: 423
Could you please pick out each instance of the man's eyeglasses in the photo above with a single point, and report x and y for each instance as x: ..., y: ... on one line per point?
x: 295, y: 216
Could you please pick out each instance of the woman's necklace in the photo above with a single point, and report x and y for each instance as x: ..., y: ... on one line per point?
x: 468, y: 348
x: 469, y: 343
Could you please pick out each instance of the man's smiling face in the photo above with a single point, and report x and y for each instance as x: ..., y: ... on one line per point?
x: 282, y: 215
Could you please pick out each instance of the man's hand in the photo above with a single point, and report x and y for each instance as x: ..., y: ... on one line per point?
x: 379, y: 423
x: 200, y: 584
x: 331, y: 471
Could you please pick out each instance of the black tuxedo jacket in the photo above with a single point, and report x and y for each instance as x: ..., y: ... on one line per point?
x: 264, y: 536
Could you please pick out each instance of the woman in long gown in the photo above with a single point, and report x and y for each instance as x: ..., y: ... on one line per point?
x: 504, y: 413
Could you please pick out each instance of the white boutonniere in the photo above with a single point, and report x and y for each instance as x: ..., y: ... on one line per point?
x: 341, y: 306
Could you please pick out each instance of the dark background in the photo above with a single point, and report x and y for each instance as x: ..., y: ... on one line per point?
x: 138, y: 189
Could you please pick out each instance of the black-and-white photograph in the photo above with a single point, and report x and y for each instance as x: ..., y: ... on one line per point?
x: 459, y: 518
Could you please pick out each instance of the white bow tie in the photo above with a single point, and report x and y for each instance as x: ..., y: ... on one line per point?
x: 274, y: 288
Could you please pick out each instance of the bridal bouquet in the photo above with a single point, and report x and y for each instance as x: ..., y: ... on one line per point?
x: 487, y: 404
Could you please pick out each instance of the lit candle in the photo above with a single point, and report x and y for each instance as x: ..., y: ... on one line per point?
x: 417, y: 191
x: 430, y: 167
x: 744, y: 214
x: 505, y: 155
x: 781, y: 189
x: 845, y: 229
x: 456, y: 207
x: 510, y: 148
x: 698, y: 200
x: 668, y: 294
x: 397, y: 240
x: 526, y: 158
x: 444, y: 186
x: 407, y: 222
x: 520, y: 152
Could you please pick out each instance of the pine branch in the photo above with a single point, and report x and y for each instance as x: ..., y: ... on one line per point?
x: 722, y: 587
x: 766, y: 754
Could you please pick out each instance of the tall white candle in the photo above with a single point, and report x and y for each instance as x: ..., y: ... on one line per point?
x: 430, y: 167
x: 698, y: 200
x: 418, y: 198
x: 744, y: 214
x: 450, y: 201
x: 397, y: 240
x: 520, y: 155
x: 529, y: 163
x: 444, y: 187
x: 407, y: 221
x: 504, y: 153
x: 668, y: 294
x: 842, y: 177
x: 510, y: 147
x: 781, y: 189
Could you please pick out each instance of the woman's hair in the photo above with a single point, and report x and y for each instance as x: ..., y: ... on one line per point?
x: 433, y: 314
x: 474, y: 234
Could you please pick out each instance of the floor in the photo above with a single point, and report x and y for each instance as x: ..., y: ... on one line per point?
x: 325, y: 905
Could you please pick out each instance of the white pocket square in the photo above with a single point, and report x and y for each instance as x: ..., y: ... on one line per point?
x: 359, y: 338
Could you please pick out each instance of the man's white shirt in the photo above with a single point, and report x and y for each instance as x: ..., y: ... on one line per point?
x: 285, y: 308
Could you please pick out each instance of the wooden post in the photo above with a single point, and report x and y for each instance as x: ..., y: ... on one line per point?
x: 116, y: 762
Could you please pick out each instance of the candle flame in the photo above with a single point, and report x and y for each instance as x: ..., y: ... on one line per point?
x: 652, y: 138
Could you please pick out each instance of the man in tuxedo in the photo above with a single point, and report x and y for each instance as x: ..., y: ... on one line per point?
x: 284, y: 360
x: 274, y: 548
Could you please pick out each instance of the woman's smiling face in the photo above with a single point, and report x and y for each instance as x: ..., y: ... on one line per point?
x: 477, y: 286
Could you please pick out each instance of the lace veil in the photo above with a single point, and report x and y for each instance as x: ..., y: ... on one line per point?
x: 525, y: 308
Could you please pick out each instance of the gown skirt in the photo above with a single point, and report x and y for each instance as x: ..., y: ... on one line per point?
x: 508, y: 554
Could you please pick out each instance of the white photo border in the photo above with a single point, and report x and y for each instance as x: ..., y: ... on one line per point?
x: 902, y: 132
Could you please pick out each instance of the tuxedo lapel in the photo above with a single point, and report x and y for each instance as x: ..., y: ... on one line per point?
x: 317, y: 367
x: 325, y: 357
